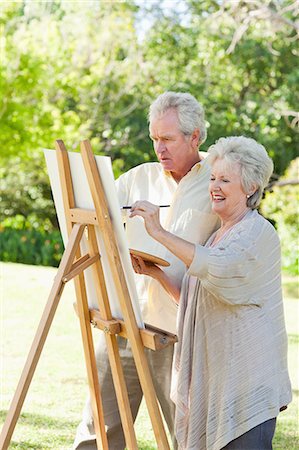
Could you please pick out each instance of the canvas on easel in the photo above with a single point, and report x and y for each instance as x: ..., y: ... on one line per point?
x: 97, y: 258
x: 83, y: 200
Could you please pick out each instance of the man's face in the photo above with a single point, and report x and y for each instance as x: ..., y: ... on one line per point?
x: 176, y: 152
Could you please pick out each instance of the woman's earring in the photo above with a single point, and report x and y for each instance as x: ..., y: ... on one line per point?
x: 248, y: 196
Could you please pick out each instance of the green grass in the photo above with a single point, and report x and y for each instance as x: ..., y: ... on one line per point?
x: 55, y: 399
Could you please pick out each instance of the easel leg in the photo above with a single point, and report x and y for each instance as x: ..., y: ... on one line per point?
x: 40, y: 338
x: 112, y: 347
x: 92, y: 373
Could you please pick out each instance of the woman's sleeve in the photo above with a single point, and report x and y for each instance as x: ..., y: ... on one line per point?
x: 234, y: 271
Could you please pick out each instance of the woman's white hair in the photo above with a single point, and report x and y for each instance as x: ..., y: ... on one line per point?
x: 190, y: 112
x: 255, y: 164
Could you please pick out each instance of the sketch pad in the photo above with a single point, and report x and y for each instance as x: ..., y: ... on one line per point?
x: 83, y: 199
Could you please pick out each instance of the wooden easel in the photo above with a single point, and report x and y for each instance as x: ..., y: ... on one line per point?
x: 71, y: 267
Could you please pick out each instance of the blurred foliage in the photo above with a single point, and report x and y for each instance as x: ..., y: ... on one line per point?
x: 90, y: 70
x: 247, y: 91
x: 281, y: 205
x: 70, y: 73
x: 25, y: 190
x: 22, y: 241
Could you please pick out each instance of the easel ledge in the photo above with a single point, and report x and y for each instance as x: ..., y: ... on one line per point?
x: 152, y: 337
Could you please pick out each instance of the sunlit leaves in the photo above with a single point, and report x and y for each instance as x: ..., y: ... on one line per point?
x: 80, y: 70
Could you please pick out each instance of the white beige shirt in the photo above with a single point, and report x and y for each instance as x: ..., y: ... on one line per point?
x: 189, y: 216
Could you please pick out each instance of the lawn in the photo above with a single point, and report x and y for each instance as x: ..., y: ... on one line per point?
x: 53, y: 405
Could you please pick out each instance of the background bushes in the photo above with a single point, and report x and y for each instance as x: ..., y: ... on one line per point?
x: 96, y: 81
x: 281, y: 204
x: 21, y: 240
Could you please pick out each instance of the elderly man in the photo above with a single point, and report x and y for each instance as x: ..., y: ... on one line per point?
x: 180, y: 179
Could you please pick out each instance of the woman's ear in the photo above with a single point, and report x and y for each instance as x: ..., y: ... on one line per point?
x: 252, y: 190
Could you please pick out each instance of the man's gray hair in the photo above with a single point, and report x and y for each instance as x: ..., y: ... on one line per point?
x: 255, y: 164
x: 190, y: 112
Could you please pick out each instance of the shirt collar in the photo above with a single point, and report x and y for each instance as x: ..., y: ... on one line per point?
x: 195, y: 168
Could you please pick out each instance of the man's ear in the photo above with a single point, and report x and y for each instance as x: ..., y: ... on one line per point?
x: 195, y: 138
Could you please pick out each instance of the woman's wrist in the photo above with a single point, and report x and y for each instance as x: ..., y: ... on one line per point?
x: 161, y: 235
x: 155, y: 272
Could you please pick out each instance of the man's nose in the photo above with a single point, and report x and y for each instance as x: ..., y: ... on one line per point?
x: 160, y: 146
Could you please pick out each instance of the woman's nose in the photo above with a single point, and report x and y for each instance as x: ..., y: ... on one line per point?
x: 214, y: 185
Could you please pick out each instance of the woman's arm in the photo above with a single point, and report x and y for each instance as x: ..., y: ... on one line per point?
x: 184, y: 250
x: 144, y: 268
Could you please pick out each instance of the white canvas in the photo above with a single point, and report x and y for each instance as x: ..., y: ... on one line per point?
x: 83, y: 199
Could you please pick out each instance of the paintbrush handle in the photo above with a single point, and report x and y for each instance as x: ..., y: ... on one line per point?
x: 160, y: 206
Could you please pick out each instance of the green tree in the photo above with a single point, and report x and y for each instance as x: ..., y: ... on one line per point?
x: 77, y: 71
x: 246, y: 88
x: 72, y: 73
x: 69, y: 73
x: 281, y: 205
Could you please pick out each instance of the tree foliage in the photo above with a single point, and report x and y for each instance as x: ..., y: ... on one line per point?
x: 70, y: 73
x: 84, y: 70
x: 281, y: 205
x: 248, y: 88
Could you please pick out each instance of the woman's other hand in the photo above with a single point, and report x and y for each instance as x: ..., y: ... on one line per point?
x: 145, y: 268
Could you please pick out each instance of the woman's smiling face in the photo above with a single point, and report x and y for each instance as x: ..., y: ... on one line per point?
x: 226, y: 190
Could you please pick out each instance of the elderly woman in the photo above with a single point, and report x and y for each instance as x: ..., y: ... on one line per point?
x: 230, y: 376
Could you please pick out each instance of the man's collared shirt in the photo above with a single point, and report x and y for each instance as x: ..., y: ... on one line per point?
x: 188, y: 216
